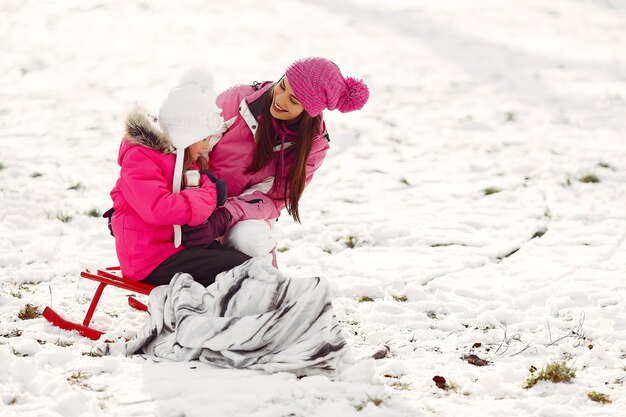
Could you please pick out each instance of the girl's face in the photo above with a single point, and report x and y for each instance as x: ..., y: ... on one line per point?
x: 285, y: 105
x: 197, y: 149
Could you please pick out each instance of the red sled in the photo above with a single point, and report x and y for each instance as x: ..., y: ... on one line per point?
x: 107, y: 276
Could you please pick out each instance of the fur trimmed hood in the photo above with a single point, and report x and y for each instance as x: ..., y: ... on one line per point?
x: 143, y: 129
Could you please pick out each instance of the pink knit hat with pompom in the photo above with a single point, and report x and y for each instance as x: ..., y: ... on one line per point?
x: 318, y: 84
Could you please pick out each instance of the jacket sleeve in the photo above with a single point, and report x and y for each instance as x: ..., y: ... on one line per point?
x: 229, y: 99
x: 147, y: 191
x: 265, y: 204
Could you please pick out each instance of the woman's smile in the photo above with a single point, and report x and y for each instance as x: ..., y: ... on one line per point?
x: 278, y: 108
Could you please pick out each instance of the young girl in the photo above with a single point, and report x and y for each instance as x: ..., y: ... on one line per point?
x: 267, y: 158
x: 150, y: 198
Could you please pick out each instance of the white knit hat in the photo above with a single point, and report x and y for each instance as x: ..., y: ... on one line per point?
x: 189, y: 114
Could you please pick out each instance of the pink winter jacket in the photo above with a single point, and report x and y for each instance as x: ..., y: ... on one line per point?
x: 145, y: 207
x: 234, y: 151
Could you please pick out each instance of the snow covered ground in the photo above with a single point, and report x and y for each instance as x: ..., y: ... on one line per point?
x: 451, y: 212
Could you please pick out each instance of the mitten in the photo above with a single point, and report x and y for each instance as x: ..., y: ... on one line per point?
x: 108, y: 215
x: 204, y: 234
x: 222, y: 188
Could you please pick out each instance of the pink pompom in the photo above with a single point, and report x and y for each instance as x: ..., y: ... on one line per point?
x: 355, y: 97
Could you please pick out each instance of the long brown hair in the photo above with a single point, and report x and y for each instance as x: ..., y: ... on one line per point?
x: 265, y: 137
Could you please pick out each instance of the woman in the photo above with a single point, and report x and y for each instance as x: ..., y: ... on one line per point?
x: 268, y: 156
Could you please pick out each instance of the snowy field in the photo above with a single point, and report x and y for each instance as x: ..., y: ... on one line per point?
x: 477, y: 205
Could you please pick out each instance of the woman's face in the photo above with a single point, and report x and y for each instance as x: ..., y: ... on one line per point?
x: 285, y: 105
x: 198, y: 148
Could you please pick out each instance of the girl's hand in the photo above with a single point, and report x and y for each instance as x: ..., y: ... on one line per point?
x: 204, y: 234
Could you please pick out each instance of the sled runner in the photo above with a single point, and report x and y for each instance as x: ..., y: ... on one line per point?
x: 107, y: 276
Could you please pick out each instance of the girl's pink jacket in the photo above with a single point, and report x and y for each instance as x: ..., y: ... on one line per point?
x: 250, y: 194
x: 145, y: 207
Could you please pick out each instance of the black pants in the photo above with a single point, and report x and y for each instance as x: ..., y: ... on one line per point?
x: 203, y: 263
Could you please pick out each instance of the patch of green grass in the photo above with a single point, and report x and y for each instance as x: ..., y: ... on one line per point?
x: 36, y: 174
x: 404, y: 181
x: 589, y: 179
x: 63, y: 343
x: 94, y: 213
x: 77, y: 378
x: 432, y: 314
x: 92, y: 354
x: 364, y: 299
x: 1, y: 166
x: 554, y: 372
x: 491, y: 190
x: 349, y: 241
x: 29, y: 312
x: 599, y: 397
x: 376, y: 401
x: 485, y: 328
x: 77, y: 186
x: 400, y: 298
x: 12, y: 333
x: 64, y: 218
x: 282, y: 249
x: 452, y: 386
x: 401, y: 386
x: 602, y: 164
x: 26, y: 286
x: 509, y: 116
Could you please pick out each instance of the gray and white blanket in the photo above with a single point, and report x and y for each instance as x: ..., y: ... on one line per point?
x: 251, y: 317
